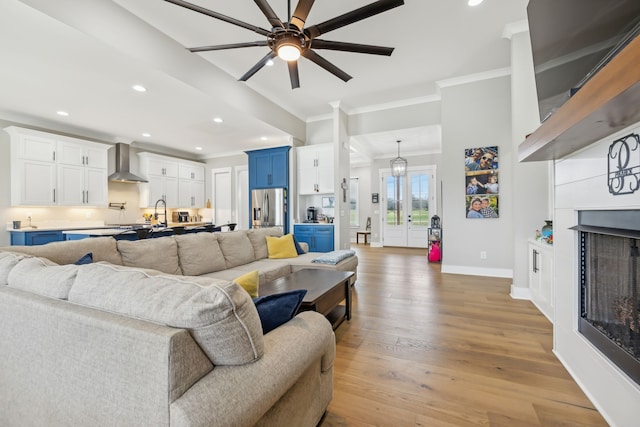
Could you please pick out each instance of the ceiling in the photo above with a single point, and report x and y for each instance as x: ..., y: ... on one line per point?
x: 84, y: 57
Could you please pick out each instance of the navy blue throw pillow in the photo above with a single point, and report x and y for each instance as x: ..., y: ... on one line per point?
x: 86, y: 259
x: 298, y: 247
x: 276, y: 309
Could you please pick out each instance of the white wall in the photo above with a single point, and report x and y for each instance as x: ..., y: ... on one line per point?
x: 476, y: 114
x: 580, y: 184
x: 531, y: 180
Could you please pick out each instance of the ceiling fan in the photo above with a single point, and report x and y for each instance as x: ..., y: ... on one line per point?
x: 290, y: 40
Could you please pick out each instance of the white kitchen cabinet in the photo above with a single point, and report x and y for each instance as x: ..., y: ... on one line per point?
x: 82, y: 154
x: 82, y: 174
x: 179, y: 182
x: 56, y: 170
x: 315, y: 169
x: 191, y: 171
x: 191, y: 185
x: 541, y: 276
x: 82, y: 186
x: 191, y: 194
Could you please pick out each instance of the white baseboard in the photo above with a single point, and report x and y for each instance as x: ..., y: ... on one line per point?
x: 477, y: 271
x: 518, y: 292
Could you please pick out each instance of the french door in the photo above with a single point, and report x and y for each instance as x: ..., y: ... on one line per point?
x: 408, y: 203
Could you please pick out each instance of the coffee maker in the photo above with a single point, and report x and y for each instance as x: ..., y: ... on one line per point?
x: 312, y: 214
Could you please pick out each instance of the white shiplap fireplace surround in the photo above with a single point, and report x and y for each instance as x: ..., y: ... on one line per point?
x: 581, y: 184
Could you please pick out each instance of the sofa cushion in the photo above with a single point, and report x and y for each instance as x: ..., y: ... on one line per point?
x: 281, y: 247
x: 159, y: 253
x: 8, y: 260
x: 199, y: 253
x: 44, y: 277
x: 249, y: 282
x: 221, y: 317
x: 236, y: 248
x: 259, y: 242
x: 277, y: 309
x: 68, y: 252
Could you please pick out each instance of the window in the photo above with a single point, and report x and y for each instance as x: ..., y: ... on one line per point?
x: 354, y: 212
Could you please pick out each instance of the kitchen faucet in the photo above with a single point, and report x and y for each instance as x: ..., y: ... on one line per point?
x: 155, y: 212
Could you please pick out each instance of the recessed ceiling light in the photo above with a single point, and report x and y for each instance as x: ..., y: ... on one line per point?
x: 62, y: 113
x: 199, y: 148
x: 263, y: 138
x: 474, y: 2
x: 269, y: 63
x: 146, y: 135
x: 217, y: 119
x: 139, y: 88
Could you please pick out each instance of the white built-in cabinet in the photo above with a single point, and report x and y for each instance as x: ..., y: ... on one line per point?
x: 541, y: 276
x: 180, y: 183
x: 55, y: 170
x: 315, y: 169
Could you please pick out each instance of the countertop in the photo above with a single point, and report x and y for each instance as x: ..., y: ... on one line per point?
x: 95, y: 227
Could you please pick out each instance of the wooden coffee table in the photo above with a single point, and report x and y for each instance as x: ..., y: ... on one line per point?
x: 326, y: 289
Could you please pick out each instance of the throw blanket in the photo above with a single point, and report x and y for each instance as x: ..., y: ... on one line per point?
x: 334, y: 257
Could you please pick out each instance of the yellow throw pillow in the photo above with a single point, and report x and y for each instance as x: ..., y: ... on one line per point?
x: 281, y: 247
x: 249, y: 283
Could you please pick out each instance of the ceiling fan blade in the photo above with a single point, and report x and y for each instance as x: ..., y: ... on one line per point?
x: 269, y: 13
x: 351, y: 47
x: 219, y: 16
x: 319, y: 60
x: 300, y: 14
x: 227, y: 46
x: 293, y: 74
x: 350, y: 17
x: 257, y: 67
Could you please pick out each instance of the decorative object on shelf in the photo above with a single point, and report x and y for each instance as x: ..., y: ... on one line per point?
x: 435, y: 221
x: 481, y: 182
x: 546, y: 232
x: 399, y: 164
x: 623, y: 169
x: 208, y: 203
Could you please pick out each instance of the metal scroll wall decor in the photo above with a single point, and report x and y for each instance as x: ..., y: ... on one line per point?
x: 623, y: 171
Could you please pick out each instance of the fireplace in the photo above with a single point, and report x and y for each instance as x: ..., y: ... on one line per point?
x: 609, y: 276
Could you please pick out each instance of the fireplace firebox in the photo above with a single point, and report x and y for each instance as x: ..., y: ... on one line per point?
x: 609, y: 279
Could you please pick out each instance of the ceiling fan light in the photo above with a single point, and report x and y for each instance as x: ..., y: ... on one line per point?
x: 288, y: 52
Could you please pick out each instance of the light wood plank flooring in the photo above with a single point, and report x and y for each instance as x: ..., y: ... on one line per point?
x: 430, y: 349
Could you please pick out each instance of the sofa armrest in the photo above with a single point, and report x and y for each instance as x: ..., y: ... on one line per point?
x: 241, y: 395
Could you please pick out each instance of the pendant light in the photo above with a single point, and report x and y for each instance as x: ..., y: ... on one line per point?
x: 399, y: 164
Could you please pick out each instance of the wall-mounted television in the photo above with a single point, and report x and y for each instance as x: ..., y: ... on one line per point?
x: 572, y: 39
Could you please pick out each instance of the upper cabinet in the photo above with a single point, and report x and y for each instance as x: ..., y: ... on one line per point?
x: 269, y: 168
x: 55, y: 170
x: 180, y: 183
x: 315, y: 169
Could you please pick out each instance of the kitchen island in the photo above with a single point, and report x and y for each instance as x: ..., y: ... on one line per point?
x: 32, y: 236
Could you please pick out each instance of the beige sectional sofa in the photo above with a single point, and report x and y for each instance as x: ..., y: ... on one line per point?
x: 155, y: 333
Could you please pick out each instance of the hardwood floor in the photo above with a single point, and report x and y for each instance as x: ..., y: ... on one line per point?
x: 430, y: 349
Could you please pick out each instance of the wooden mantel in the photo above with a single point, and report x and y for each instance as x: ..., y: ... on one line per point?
x: 607, y: 103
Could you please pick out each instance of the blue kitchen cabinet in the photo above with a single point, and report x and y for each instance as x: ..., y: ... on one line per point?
x: 318, y: 237
x: 33, y: 238
x: 269, y: 168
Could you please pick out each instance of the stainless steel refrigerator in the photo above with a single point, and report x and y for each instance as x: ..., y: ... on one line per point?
x: 269, y: 208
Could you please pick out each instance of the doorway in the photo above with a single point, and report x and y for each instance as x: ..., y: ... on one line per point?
x: 407, y: 205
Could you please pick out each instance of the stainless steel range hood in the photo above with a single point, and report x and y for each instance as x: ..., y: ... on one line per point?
x: 122, y: 173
